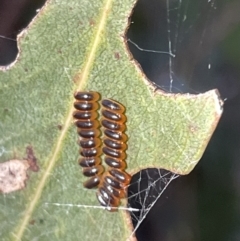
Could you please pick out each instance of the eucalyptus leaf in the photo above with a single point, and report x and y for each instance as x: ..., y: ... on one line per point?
x: 79, y: 45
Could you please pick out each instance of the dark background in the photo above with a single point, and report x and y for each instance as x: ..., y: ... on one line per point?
x: 205, y: 38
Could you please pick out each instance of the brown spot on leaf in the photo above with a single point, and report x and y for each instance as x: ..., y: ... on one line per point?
x: 117, y: 55
x: 32, y: 222
x: 193, y: 128
x: 59, y: 127
x: 13, y: 175
x: 91, y: 22
x: 76, y: 78
x: 32, y: 160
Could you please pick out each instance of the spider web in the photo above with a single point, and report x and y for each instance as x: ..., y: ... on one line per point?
x: 174, y: 32
x: 145, y: 190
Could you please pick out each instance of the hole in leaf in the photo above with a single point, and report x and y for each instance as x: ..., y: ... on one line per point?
x: 201, y: 35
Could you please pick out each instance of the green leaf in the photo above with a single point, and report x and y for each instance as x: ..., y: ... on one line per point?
x: 78, y: 45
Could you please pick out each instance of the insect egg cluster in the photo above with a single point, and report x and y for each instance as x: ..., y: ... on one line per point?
x: 113, y: 182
